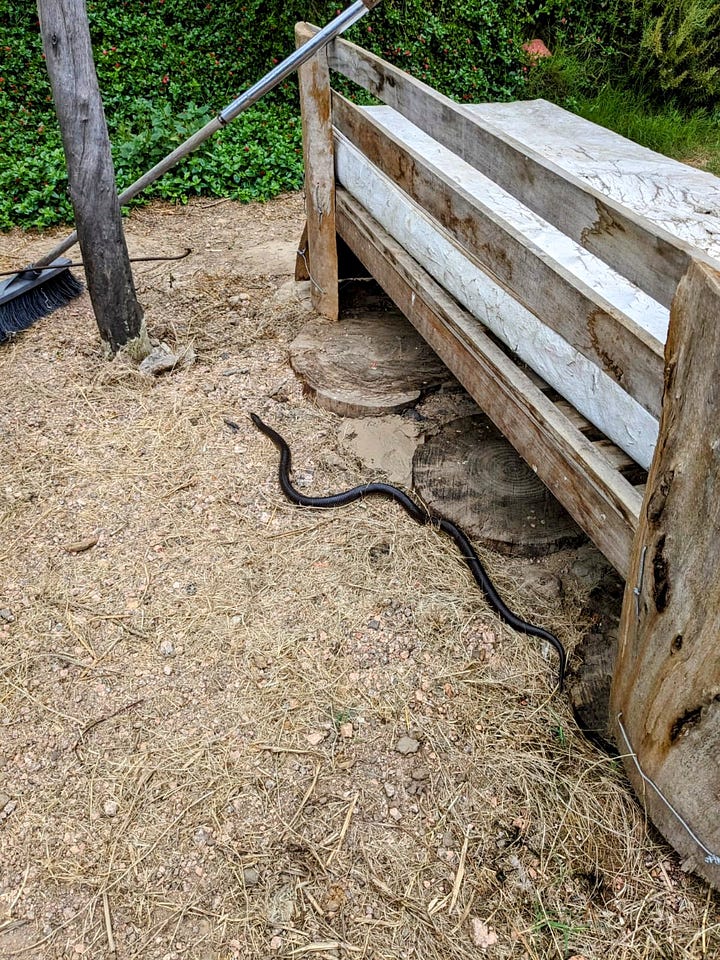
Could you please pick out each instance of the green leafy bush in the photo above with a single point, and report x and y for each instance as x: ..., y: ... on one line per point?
x: 681, y: 41
x: 166, y: 66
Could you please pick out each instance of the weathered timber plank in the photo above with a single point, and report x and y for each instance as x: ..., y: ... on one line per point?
x: 646, y: 254
x: 318, y: 150
x: 604, y: 504
x: 617, y: 457
x: 588, y: 322
x: 665, y: 697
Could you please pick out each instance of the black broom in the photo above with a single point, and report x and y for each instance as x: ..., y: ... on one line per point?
x: 48, y: 284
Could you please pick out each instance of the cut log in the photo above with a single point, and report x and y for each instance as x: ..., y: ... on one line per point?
x: 590, y: 674
x: 366, y: 366
x: 666, y: 688
x: 472, y: 475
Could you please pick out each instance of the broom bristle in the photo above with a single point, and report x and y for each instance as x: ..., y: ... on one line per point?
x: 23, y: 309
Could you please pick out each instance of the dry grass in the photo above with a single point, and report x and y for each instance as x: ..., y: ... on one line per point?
x: 200, y: 711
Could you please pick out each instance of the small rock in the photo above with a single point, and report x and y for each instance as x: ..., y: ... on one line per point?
x: 240, y: 298
x: 276, y: 943
x: 407, y: 745
x: 395, y: 814
x: 420, y: 773
x: 110, y: 808
x: 7, y: 616
x: 161, y: 358
x: 389, y: 790
x: 167, y: 648
x: 167, y: 670
x: 483, y: 935
x: 373, y: 624
x: 251, y: 876
x: 346, y: 730
x: 315, y: 738
x: 542, y: 583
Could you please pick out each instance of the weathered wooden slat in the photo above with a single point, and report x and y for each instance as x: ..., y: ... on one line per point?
x: 619, y: 459
x: 580, y: 422
x: 645, y: 253
x: 665, y: 697
x: 601, y: 500
x: 588, y: 322
x: 314, y: 84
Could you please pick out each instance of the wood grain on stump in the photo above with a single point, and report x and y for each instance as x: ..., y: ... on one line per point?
x: 472, y: 475
x: 365, y: 366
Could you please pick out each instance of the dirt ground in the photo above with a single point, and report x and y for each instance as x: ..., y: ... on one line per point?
x: 232, y: 728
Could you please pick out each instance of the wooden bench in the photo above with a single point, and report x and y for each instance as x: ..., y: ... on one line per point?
x: 547, y: 288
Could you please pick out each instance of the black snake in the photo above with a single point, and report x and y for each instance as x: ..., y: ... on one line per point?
x: 421, y: 516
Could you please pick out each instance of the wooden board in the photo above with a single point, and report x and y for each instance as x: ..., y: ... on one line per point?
x: 470, y: 474
x: 643, y: 252
x: 314, y: 84
x: 365, y: 366
x: 666, y: 687
x: 616, y: 414
x: 603, y: 503
x: 581, y: 315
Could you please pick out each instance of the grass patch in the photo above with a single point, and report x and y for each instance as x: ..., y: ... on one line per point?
x: 584, y: 87
x: 693, y: 138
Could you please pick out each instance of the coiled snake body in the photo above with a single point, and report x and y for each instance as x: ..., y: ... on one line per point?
x: 421, y: 516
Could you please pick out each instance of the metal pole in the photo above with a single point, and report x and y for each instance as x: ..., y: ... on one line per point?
x: 333, y: 29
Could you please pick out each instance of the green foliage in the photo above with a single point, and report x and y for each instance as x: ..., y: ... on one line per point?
x: 166, y: 66
x: 681, y: 40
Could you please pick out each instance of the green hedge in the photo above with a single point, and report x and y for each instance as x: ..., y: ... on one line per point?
x: 165, y: 66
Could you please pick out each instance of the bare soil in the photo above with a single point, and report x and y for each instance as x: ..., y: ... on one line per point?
x: 231, y: 728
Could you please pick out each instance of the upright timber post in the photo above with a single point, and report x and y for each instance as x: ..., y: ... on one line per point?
x: 665, y: 698
x: 315, y: 104
x: 91, y: 176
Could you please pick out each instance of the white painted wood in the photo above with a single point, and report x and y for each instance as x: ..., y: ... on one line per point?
x: 677, y: 198
x: 591, y: 391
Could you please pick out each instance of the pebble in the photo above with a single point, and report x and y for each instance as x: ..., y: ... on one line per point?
x: 7, y: 616
x: 251, y: 876
x: 407, y: 745
x: 389, y: 789
x: 420, y: 773
x: 395, y: 814
x: 110, y: 808
x: 167, y: 648
x: 346, y: 730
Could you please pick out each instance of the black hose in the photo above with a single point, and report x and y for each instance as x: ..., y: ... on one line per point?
x: 422, y: 516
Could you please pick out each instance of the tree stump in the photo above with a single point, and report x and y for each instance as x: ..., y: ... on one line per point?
x: 365, y: 366
x: 472, y: 475
x: 666, y: 687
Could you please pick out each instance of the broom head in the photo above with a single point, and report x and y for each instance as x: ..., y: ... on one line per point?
x: 31, y: 294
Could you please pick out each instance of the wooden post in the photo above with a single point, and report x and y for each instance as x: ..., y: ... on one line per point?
x: 665, y: 699
x: 315, y: 104
x: 91, y: 175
